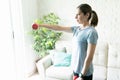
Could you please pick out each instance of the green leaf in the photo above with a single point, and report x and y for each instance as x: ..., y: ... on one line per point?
x: 38, y: 21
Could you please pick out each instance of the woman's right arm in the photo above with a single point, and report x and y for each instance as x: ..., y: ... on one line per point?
x: 56, y: 27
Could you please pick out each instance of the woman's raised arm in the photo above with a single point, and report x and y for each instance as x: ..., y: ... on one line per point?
x: 56, y: 27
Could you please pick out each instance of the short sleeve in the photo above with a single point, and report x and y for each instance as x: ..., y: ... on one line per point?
x: 74, y: 28
x: 92, y: 37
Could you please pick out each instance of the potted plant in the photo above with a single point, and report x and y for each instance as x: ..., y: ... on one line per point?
x: 44, y: 39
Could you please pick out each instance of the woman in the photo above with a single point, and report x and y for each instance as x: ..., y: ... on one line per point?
x: 85, y: 39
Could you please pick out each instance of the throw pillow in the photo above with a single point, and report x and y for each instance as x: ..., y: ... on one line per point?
x: 62, y: 59
x: 52, y: 52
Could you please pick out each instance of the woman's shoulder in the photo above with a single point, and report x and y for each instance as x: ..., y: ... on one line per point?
x: 92, y: 29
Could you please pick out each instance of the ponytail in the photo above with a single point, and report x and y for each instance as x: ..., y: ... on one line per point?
x: 93, y: 19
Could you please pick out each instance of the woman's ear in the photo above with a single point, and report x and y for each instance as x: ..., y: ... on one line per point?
x: 87, y: 15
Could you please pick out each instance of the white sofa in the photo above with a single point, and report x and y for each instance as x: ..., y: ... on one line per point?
x: 106, y: 63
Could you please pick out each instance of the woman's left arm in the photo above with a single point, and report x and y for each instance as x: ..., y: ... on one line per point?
x: 89, y: 57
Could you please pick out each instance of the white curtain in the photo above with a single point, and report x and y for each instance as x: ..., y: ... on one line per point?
x: 11, y: 41
x: 7, y: 55
x: 17, y: 60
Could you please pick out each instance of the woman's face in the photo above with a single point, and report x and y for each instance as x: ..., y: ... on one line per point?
x: 80, y: 17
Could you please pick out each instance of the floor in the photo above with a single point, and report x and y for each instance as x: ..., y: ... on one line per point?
x: 34, y: 77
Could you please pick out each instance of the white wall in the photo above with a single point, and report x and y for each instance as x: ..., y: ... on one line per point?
x: 107, y: 10
x: 65, y: 9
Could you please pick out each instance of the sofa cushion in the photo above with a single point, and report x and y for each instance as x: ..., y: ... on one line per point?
x: 100, y: 73
x: 113, y: 74
x: 61, y: 44
x: 62, y: 73
x: 101, y: 53
x: 61, y: 59
x: 114, y: 55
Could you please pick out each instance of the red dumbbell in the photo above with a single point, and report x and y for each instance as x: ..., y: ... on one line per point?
x: 35, y: 26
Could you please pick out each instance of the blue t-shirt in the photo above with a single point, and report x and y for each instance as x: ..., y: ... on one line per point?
x: 81, y: 38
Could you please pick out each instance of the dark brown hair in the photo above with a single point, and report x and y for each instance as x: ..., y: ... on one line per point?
x: 93, y: 18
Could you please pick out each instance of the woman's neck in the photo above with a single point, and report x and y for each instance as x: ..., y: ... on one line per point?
x: 85, y: 25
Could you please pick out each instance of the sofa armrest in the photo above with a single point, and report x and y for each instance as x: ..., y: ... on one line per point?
x: 42, y: 65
